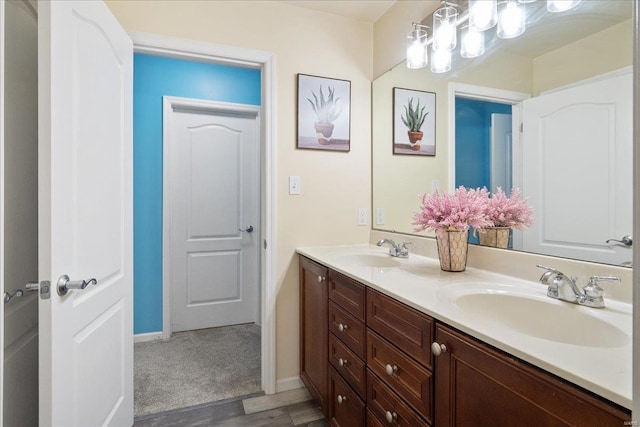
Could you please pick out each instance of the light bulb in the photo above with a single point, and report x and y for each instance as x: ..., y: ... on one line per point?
x: 472, y: 44
x: 511, y: 20
x: 440, y: 60
x: 483, y: 14
x: 561, y: 5
x: 444, y: 28
x: 417, y: 49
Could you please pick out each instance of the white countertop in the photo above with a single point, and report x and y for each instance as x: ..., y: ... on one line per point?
x: 418, y: 282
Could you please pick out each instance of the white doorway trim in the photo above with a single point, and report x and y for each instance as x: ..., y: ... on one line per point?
x: 2, y: 92
x: 265, y: 61
x: 482, y: 93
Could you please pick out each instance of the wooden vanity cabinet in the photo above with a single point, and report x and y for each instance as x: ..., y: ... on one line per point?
x: 314, y: 333
x: 478, y: 385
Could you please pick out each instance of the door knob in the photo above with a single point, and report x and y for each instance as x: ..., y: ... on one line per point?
x: 249, y: 229
x: 64, y: 284
x: 626, y: 240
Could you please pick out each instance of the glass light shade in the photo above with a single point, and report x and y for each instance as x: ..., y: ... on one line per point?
x: 526, y: 1
x: 561, y: 5
x: 444, y: 28
x: 483, y: 14
x: 471, y: 43
x: 417, y: 56
x: 440, y: 60
x: 511, y: 20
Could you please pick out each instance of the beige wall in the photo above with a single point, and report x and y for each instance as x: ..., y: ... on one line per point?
x: 334, y: 185
x: 597, y: 54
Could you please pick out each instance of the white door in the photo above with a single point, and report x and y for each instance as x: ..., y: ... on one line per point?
x: 213, y: 159
x: 85, y: 215
x: 577, y: 170
x: 500, y: 141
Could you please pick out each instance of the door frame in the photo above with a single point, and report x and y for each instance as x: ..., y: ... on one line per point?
x: 169, y: 104
x: 166, y: 46
x: 482, y: 93
x: 2, y: 92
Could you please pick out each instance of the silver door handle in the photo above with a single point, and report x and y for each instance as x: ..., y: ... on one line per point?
x: 626, y: 240
x: 249, y: 229
x: 29, y: 287
x: 64, y: 284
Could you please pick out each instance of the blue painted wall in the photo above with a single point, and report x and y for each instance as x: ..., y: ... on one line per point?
x: 473, y: 141
x: 153, y: 78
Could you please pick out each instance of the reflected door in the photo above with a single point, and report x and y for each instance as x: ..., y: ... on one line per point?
x: 577, y: 170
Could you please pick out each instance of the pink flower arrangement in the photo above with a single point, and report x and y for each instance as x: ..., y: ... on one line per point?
x: 503, y: 211
x: 458, y: 211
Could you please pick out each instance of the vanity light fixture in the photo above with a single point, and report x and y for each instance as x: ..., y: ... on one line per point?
x: 417, y: 56
x: 440, y: 60
x: 471, y: 43
x: 483, y: 14
x: 511, y: 19
x: 561, y: 5
x: 445, y: 26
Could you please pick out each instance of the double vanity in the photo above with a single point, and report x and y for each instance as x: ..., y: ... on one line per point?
x: 396, y: 341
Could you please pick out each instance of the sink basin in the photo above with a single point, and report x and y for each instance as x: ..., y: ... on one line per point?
x: 370, y: 260
x: 549, y: 320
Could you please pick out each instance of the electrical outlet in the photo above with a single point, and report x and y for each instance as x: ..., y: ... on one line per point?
x: 362, y: 216
x: 294, y: 185
x: 379, y: 216
x: 435, y: 185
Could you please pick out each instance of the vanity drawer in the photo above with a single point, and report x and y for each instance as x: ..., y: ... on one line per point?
x: 348, y: 329
x: 346, y: 408
x: 409, y: 379
x: 403, y: 326
x: 350, y: 366
x: 372, y: 421
x: 385, y: 405
x: 348, y: 294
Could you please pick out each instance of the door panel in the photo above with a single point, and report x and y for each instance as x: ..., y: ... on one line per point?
x: 85, y: 215
x: 212, y: 161
x: 578, y: 169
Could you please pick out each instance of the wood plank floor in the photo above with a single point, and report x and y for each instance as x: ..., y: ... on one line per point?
x: 231, y: 413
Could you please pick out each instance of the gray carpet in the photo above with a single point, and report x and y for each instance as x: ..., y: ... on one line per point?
x: 196, y: 367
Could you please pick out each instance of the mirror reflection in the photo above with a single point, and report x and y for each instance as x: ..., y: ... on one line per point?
x: 549, y: 112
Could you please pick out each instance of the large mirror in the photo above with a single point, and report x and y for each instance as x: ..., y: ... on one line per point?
x: 549, y: 112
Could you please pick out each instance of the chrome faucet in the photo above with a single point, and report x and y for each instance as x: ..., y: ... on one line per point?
x: 563, y: 287
x: 400, y: 251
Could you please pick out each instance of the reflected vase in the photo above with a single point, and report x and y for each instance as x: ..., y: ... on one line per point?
x: 452, y: 249
x: 495, y: 237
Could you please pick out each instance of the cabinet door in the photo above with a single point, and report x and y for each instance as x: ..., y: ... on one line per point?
x: 477, y: 385
x: 347, y: 410
x: 314, y: 332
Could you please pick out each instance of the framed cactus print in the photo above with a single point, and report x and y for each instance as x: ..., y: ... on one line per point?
x: 324, y: 113
x: 414, y: 122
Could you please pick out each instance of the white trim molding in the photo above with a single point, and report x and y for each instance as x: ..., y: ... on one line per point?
x: 264, y: 61
x: 149, y: 336
x: 2, y: 169
x: 286, y: 384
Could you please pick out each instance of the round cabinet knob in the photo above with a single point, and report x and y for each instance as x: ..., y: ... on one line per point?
x: 342, y: 327
x: 438, y: 349
x: 320, y: 279
x: 390, y: 416
x: 342, y: 399
x: 391, y: 369
x: 342, y: 362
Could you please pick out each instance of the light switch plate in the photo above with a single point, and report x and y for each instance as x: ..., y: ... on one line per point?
x: 379, y: 216
x: 435, y: 185
x: 294, y: 185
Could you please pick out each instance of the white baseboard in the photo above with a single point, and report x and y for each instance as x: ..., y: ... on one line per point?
x: 290, y: 383
x: 149, y: 336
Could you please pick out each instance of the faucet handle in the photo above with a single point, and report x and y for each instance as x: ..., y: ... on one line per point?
x: 596, y: 279
x: 549, y: 269
x: 593, y: 290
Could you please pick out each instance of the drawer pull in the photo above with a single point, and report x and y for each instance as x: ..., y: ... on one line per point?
x: 320, y: 279
x: 342, y: 327
x: 438, y: 349
x: 342, y: 399
x: 391, y: 417
x: 342, y: 362
x: 391, y: 369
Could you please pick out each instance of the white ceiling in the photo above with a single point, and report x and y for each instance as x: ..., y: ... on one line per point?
x: 362, y: 10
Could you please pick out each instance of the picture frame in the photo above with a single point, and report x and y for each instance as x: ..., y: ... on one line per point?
x: 323, y: 113
x: 414, y: 122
